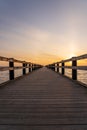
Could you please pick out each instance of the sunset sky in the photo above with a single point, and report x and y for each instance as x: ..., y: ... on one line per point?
x: 43, y: 31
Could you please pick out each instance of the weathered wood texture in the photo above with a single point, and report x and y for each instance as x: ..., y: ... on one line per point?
x: 43, y: 100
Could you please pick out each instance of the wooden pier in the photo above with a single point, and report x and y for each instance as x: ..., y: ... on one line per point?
x: 43, y: 100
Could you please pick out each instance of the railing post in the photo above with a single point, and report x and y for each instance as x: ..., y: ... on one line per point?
x: 53, y: 67
x: 50, y: 66
x: 57, y: 67
x: 63, y: 69
x: 32, y: 67
x: 74, y: 70
x: 11, y: 70
x: 24, y: 68
x: 36, y: 66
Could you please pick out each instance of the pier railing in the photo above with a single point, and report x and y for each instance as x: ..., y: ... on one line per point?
x: 74, y: 66
x: 11, y: 66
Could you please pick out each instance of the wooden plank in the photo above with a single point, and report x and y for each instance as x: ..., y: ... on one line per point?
x: 46, y: 127
x: 43, y: 100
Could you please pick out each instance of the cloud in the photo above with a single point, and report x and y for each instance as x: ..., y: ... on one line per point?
x: 35, y: 44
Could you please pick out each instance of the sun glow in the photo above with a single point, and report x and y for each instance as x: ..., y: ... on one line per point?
x: 72, y: 55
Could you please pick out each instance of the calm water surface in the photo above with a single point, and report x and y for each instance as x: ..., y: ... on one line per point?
x: 82, y: 75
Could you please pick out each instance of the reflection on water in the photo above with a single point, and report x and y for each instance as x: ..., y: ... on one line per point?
x: 68, y: 72
x: 59, y: 70
x: 27, y: 70
x: 81, y: 74
x: 17, y: 73
x: 4, y: 76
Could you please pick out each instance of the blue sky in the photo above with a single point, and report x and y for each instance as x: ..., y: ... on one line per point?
x: 43, y: 31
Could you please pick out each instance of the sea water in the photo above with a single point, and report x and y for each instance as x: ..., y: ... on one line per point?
x: 81, y: 74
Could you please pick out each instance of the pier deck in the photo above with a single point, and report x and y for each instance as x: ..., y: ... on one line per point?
x: 43, y: 100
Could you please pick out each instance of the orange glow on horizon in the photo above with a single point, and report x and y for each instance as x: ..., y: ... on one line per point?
x: 45, y: 59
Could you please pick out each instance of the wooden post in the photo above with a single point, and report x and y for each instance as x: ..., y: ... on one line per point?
x: 63, y: 69
x: 32, y: 67
x: 50, y: 67
x: 57, y: 67
x: 29, y: 67
x: 24, y: 68
x: 53, y: 67
x: 11, y: 71
x: 74, y: 70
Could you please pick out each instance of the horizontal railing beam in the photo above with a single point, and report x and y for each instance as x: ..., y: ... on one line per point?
x: 4, y: 58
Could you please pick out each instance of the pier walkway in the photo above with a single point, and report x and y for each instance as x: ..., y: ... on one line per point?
x: 43, y: 100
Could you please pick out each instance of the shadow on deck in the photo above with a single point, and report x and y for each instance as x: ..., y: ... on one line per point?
x: 43, y: 100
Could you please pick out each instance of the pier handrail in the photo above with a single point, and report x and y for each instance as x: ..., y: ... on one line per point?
x: 74, y: 65
x: 11, y: 67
